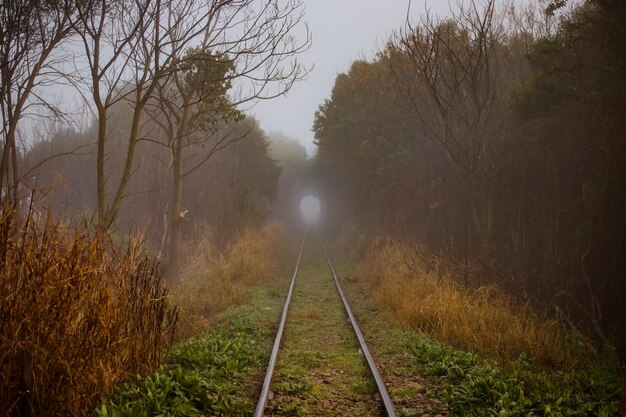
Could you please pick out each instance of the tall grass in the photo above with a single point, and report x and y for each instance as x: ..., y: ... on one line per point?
x: 424, y: 296
x: 213, y: 280
x: 77, y: 316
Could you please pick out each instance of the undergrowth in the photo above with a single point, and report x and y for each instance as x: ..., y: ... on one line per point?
x: 474, y: 387
x: 213, y: 280
x: 202, y: 376
x: 485, y: 320
x: 78, y: 315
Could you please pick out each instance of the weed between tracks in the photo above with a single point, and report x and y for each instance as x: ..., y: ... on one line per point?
x: 320, y: 371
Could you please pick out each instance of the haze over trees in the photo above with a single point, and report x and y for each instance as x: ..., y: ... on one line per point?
x: 294, y: 166
x: 495, y: 139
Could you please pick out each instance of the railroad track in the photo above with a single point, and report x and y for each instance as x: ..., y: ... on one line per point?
x: 380, y: 385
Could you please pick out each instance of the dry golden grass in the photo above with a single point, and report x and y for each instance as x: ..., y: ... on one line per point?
x: 484, y: 320
x: 77, y: 316
x: 212, y: 281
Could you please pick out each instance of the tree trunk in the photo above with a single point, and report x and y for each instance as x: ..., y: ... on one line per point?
x: 487, y: 235
x: 176, y: 216
x: 16, y: 179
x: 173, y: 256
x: 5, y: 178
x: 100, y: 185
x: 113, y: 209
x: 466, y: 232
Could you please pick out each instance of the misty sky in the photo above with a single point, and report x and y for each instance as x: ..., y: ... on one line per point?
x: 343, y: 31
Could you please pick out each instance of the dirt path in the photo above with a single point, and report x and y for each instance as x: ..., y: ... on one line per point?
x: 320, y: 371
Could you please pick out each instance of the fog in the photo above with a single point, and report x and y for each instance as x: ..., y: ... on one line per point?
x: 310, y: 209
x: 343, y: 31
x: 161, y: 160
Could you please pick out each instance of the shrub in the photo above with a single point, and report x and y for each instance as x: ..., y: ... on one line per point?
x: 77, y: 316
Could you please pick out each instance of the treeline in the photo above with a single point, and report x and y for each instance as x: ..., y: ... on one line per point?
x: 496, y: 139
x: 226, y: 195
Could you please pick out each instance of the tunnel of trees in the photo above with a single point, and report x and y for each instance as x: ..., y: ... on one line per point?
x: 492, y: 141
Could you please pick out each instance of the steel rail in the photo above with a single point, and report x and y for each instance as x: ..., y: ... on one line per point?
x: 382, y: 390
x: 260, y: 407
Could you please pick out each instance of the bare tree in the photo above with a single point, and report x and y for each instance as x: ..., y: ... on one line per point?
x: 246, y: 45
x: 134, y: 47
x: 450, y: 74
x: 113, y: 36
x: 30, y: 35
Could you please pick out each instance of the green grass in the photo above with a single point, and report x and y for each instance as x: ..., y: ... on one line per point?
x: 203, y: 376
x: 481, y: 388
x: 217, y: 373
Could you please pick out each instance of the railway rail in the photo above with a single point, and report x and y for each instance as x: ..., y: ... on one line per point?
x: 380, y: 385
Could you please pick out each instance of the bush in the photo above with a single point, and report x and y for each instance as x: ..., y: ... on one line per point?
x: 77, y: 316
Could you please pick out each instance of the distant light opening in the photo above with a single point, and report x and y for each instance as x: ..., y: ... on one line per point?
x: 310, y: 209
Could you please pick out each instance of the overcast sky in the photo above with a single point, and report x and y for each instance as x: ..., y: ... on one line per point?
x: 343, y: 31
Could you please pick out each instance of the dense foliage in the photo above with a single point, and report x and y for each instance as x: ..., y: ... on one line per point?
x: 501, y: 151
